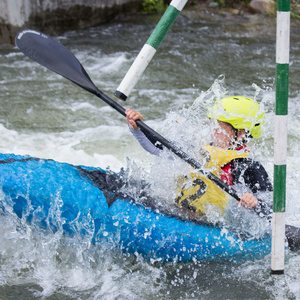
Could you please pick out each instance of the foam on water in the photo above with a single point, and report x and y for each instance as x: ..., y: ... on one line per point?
x: 67, y: 147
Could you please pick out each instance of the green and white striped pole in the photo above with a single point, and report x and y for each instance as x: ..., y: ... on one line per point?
x: 280, y: 137
x: 149, y: 49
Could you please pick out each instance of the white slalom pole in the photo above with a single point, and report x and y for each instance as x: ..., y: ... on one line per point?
x: 280, y: 137
x: 149, y: 49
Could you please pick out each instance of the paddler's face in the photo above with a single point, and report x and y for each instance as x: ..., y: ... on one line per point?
x: 223, y: 134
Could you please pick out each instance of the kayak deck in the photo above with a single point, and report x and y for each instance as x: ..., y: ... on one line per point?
x: 36, y: 188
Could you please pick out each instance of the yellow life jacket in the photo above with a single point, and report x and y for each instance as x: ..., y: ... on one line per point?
x: 199, y: 193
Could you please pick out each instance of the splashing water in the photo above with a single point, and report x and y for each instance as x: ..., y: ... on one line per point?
x: 189, y: 128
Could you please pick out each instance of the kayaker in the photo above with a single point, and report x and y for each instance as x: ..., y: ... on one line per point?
x: 234, y: 121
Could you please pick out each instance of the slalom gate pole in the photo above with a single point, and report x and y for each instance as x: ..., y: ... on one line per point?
x: 149, y: 49
x: 280, y: 135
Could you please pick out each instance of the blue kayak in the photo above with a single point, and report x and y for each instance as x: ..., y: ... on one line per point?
x: 55, y: 195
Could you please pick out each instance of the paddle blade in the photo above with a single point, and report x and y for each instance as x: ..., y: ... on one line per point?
x: 54, y: 56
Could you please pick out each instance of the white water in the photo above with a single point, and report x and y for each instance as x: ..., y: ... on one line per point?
x: 45, y: 116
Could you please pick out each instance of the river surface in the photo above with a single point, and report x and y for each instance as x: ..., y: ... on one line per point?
x: 46, y: 116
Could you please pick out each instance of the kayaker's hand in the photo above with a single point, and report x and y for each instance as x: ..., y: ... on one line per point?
x: 248, y: 201
x: 131, y: 117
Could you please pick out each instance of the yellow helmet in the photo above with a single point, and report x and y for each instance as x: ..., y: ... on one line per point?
x: 241, y: 112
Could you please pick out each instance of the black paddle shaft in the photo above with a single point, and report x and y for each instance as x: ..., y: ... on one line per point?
x: 57, y: 58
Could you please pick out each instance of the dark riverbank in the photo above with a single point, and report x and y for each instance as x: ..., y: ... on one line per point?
x: 63, y: 16
x: 56, y: 17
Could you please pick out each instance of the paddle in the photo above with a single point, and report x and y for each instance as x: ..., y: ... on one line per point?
x: 57, y: 58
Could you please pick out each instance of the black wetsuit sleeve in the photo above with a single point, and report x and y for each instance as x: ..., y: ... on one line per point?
x: 254, y: 176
